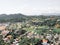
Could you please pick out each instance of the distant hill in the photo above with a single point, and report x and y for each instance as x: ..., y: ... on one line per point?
x: 12, y: 17
x: 20, y: 17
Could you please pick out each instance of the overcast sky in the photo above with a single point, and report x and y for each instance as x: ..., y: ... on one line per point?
x: 29, y: 7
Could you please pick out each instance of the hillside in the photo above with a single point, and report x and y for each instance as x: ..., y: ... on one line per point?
x: 20, y: 17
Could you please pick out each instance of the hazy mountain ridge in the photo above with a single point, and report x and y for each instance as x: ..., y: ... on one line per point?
x: 21, y: 17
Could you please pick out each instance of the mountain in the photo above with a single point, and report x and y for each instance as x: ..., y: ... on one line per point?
x: 12, y: 17
x: 20, y: 17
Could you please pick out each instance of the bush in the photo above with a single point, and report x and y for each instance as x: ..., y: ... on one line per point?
x: 27, y: 41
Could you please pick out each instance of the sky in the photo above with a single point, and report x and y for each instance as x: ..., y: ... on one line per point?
x: 29, y: 7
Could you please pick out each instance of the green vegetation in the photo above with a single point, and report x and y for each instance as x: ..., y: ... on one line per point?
x: 28, y: 28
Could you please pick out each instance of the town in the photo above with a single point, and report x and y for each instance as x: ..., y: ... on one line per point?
x: 30, y: 30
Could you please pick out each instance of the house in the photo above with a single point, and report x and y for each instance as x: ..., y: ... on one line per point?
x: 2, y: 27
x: 4, y: 32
